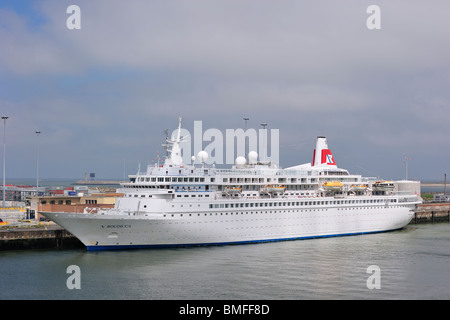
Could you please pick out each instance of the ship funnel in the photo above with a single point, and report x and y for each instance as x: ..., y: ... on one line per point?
x: 323, y: 155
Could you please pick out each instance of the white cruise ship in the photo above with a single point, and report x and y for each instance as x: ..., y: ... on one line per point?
x: 177, y: 204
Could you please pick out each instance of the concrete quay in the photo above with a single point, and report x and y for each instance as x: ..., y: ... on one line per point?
x: 43, y: 237
x: 431, y: 213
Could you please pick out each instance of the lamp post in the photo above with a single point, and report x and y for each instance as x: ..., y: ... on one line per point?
x: 37, y: 162
x: 264, y: 125
x: 245, y: 140
x: 4, y: 158
x: 246, y: 119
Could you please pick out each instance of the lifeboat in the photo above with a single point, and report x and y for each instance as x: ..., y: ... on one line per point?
x: 333, y: 186
x: 233, y: 189
x: 360, y: 187
x: 275, y: 188
x: 383, y: 186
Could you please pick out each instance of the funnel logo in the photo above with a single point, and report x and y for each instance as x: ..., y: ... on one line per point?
x: 327, y: 157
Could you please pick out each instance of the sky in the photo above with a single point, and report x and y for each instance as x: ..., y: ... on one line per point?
x: 102, y: 95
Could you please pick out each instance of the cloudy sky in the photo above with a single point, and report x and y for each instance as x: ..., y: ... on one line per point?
x: 102, y: 95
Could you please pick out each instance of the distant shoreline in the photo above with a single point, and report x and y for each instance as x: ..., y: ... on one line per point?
x: 433, y: 184
x: 98, y: 182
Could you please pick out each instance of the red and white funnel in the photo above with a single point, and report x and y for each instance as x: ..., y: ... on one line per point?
x: 323, y: 155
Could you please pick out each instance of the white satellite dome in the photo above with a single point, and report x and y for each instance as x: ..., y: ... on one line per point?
x: 253, y: 157
x: 240, y: 161
x: 202, y: 156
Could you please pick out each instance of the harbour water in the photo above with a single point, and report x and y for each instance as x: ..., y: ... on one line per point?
x: 413, y: 264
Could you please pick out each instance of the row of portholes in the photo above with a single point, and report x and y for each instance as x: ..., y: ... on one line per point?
x: 266, y: 212
x: 238, y: 213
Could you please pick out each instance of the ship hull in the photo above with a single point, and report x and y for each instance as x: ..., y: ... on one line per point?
x: 103, y: 232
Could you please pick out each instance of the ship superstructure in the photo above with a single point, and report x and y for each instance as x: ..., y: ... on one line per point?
x: 178, y: 204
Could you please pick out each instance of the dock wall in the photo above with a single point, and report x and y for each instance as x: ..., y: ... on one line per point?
x: 39, y: 238
x: 431, y: 213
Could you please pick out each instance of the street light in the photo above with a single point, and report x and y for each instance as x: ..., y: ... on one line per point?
x: 4, y: 158
x: 245, y: 140
x: 37, y: 161
x: 264, y: 143
x: 246, y: 119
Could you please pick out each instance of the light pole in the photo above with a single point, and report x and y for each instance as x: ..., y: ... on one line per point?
x: 264, y: 125
x: 245, y: 140
x: 4, y: 158
x: 246, y: 119
x: 37, y: 162
x: 406, y: 165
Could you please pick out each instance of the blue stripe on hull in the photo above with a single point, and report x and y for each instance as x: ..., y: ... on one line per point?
x: 144, y: 246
